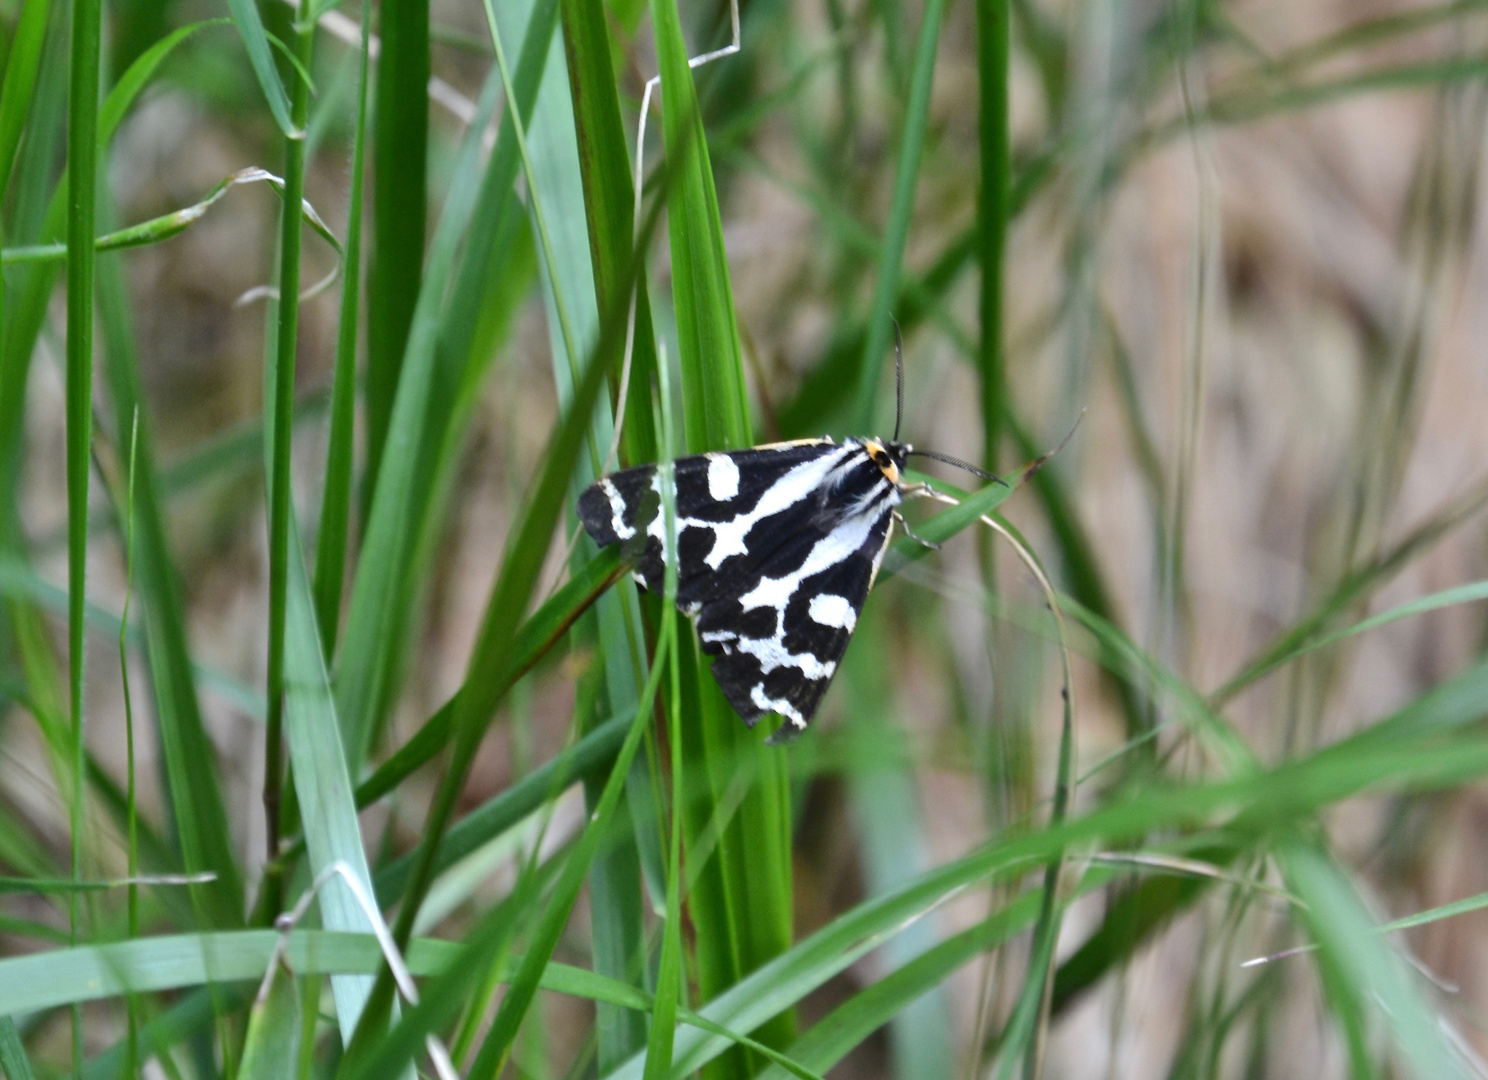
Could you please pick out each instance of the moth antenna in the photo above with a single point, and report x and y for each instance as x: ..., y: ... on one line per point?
x: 958, y: 463
x: 898, y: 377
x: 1038, y: 463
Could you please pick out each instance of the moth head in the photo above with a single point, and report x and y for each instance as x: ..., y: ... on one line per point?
x: 888, y: 456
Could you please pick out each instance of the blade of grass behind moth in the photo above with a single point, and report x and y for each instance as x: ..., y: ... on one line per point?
x: 399, y: 201
x: 1372, y: 972
x: 821, y: 387
x: 892, y: 843
x: 556, y: 207
x: 741, y: 902
x: 335, y: 504
x: 379, y: 591
x: 278, y: 444
x: 901, y: 212
x: 522, y: 559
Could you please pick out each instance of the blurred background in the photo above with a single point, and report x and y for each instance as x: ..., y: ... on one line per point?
x: 1243, y: 252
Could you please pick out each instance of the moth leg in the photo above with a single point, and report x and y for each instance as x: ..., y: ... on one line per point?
x: 931, y: 544
x: 919, y: 491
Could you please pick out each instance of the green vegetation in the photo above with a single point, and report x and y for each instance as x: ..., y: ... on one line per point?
x: 1167, y: 764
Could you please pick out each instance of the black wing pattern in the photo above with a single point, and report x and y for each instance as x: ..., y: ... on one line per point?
x: 778, y: 547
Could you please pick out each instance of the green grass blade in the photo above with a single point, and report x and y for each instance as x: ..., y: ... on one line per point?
x: 607, y: 196
x: 669, y: 968
x: 994, y: 18
x: 901, y: 213
x: 1351, y: 588
x: 278, y: 445
x: 82, y: 198
x: 335, y: 500
x: 20, y: 80
x: 484, y: 289
x: 322, y: 783
x: 399, y: 209
x: 13, y: 1060
x: 820, y: 389
x: 191, y: 775
x: 251, y: 29
x: 272, y: 1045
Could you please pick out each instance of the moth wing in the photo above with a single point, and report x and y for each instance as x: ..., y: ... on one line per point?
x: 716, y: 494
x: 778, y: 644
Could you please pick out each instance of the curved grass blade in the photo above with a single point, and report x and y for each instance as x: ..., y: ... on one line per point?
x: 173, y: 224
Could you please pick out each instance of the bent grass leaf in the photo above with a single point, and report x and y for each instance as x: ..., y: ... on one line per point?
x: 168, y: 225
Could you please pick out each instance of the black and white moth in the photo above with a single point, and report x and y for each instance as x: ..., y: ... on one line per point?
x: 778, y: 546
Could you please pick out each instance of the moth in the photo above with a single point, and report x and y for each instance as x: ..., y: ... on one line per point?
x: 777, y: 548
